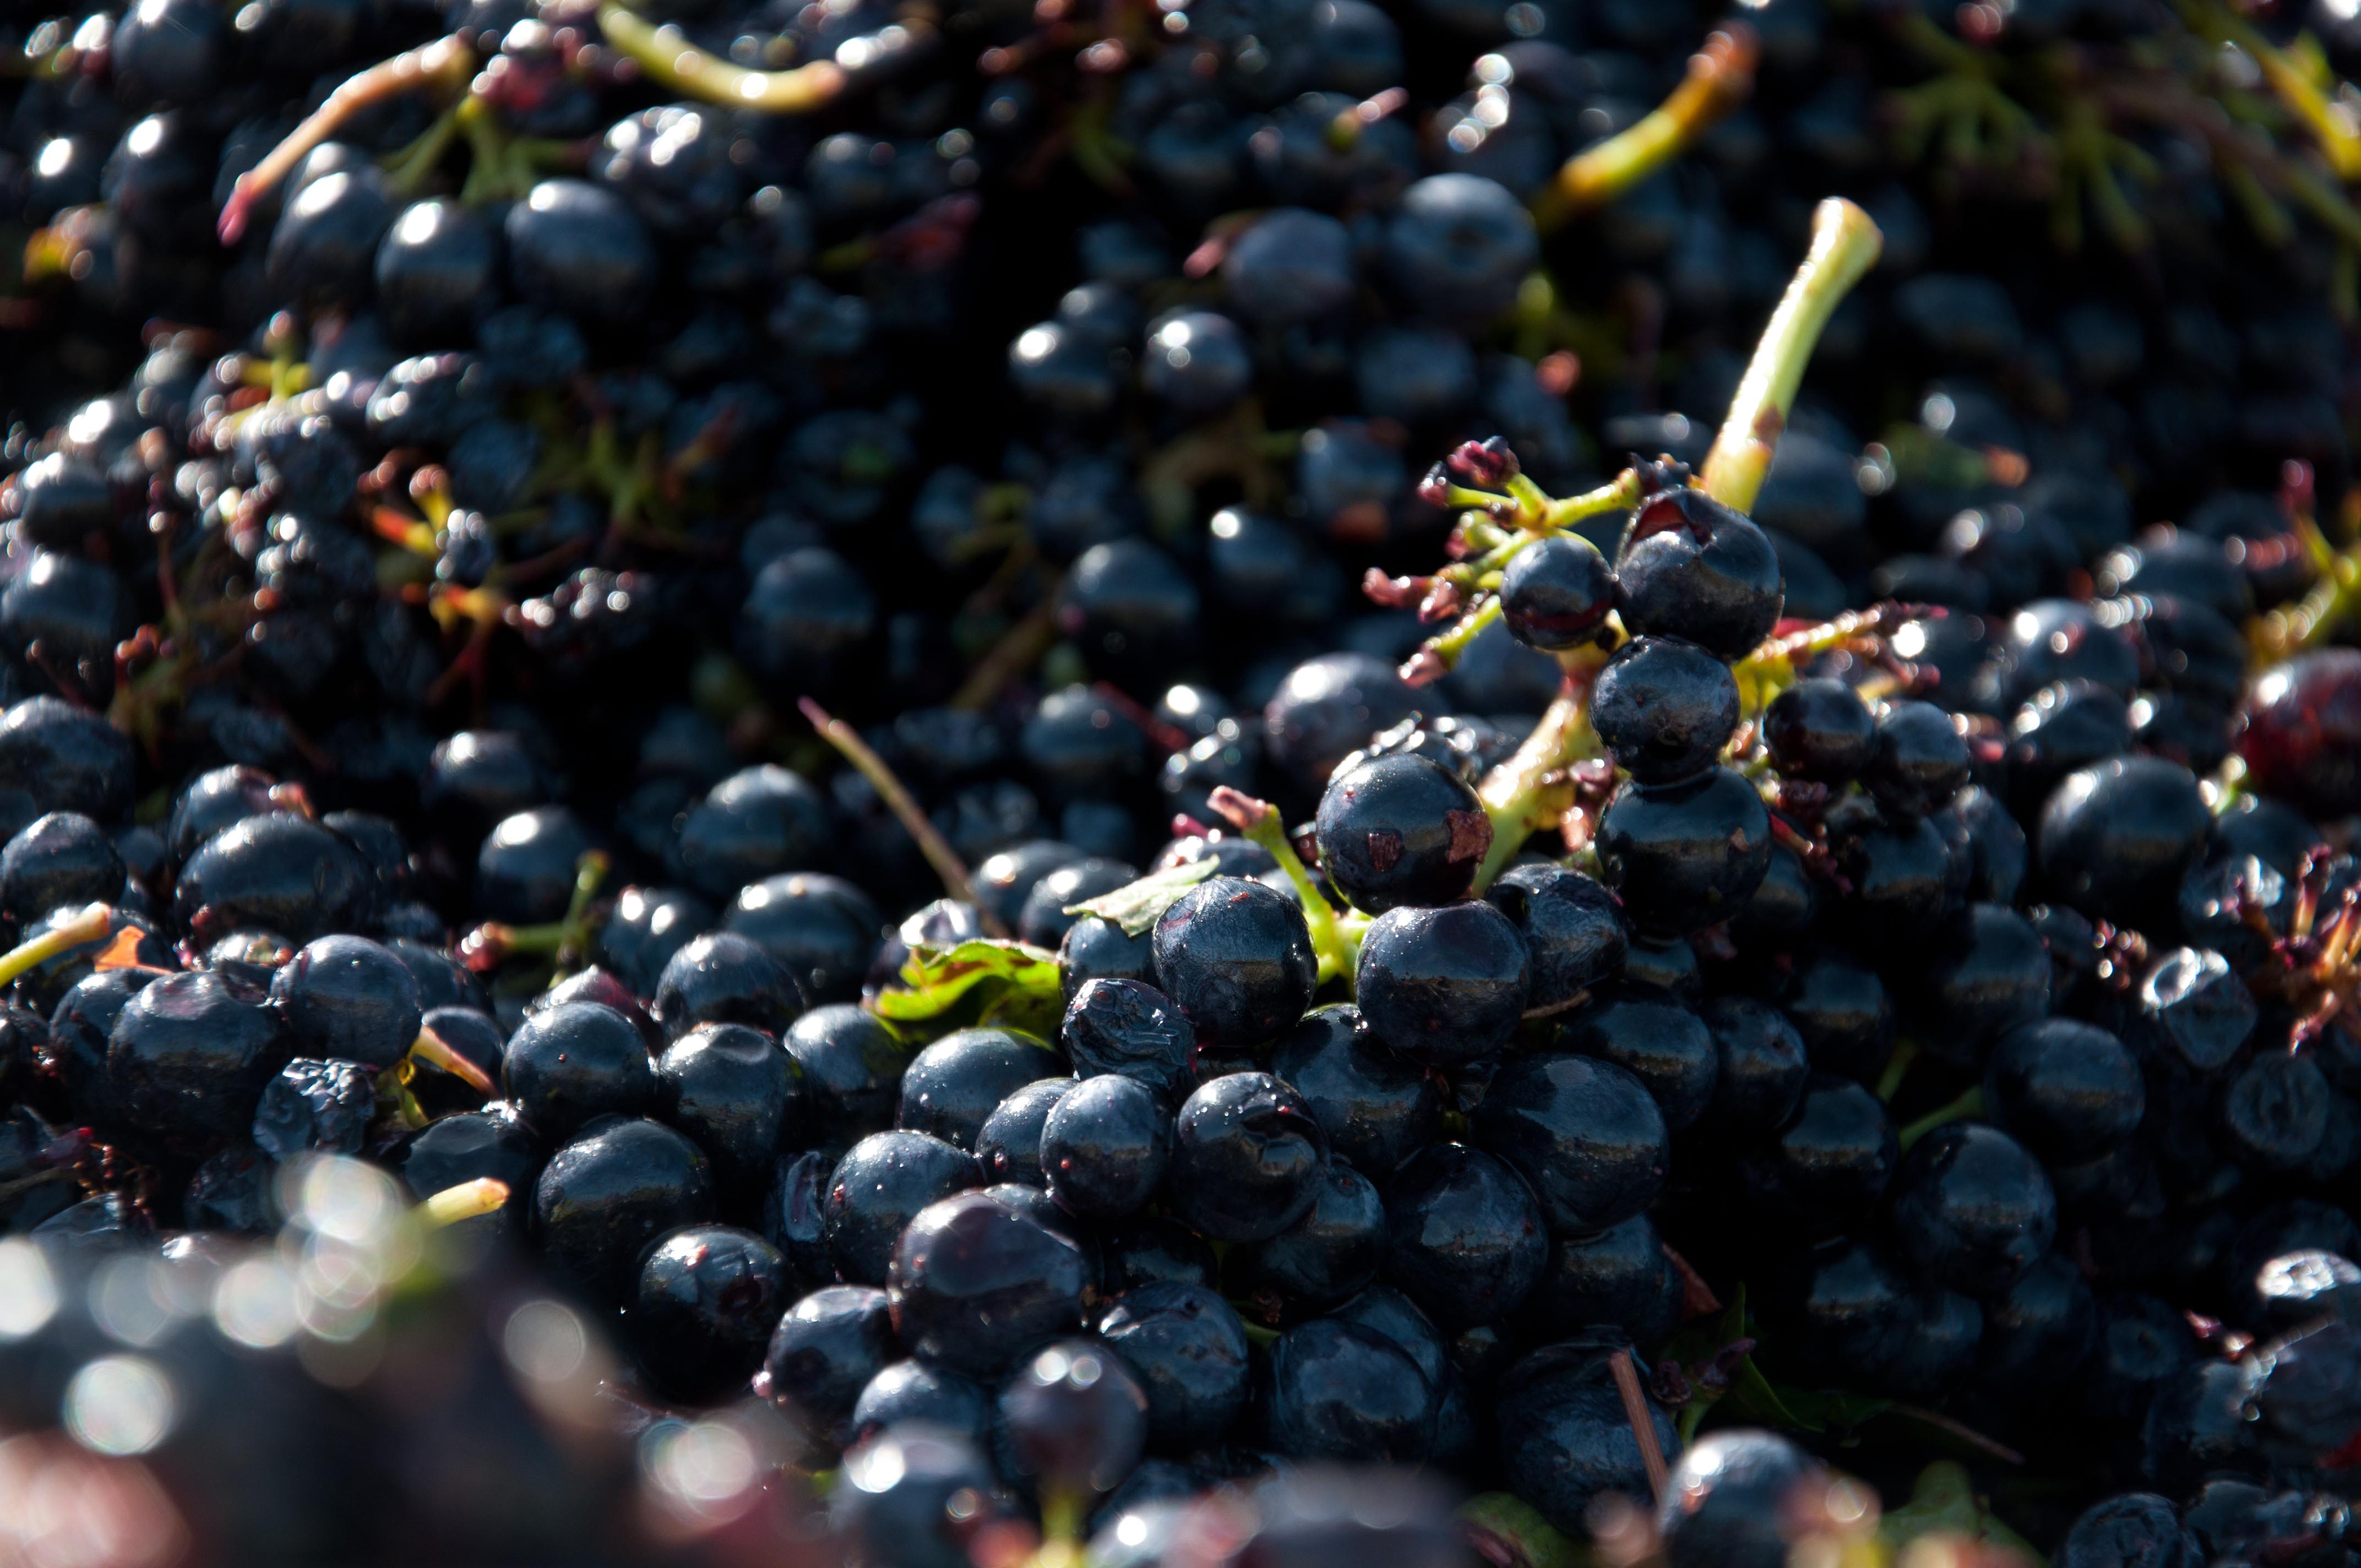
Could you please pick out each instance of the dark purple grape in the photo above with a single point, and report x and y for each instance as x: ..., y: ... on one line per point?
x: 708, y: 1298
x: 1246, y: 1157
x: 1920, y: 763
x: 1738, y: 1499
x: 1565, y: 1439
x: 1689, y: 566
x: 1104, y: 1145
x: 1008, y: 1146
x: 1189, y: 1353
x: 1401, y: 830
x: 604, y: 1197
x: 348, y: 998
x: 723, y: 977
x: 1682, y: 856
x: 878, y: 1188
x: 276, y: 871
x: 191, y: 1054
x: 1650, y: 1034
x: 2067, y: 1091
x: 1825, y: 1170
x: 1442, y: 986
x: 1129, y: 1027
x: 852, y: 1067
x: 1664, y: 708
x: 314, y: 1106
x: 1336, y: 1391
x: 1076, y: 1417
x: 1972, y: 1209
x: 573, y: 1063
x: 1377, y: 1109
x: 1584, y: 1134
x: 1465, y: 1236
x: 950, y: 1089
x: 823, y: 1352
x: 738, y: 1094
x: 62, y: 859
x: 1763, y: 1065
x: 1555, y: 592
x: 976, y: 1284
x: 1620, y: 1277
x: 1235, y: 957
x: 1318, y: 1262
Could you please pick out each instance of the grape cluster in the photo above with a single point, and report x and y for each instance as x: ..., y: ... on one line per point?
x: 1753, y: 988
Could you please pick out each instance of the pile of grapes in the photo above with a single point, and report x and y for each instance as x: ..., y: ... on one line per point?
x: 960, y: 783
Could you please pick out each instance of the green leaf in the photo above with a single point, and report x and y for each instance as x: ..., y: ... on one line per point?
x: 1008, y: 984
x: 1137, y: 906
x: 1756, y: 1397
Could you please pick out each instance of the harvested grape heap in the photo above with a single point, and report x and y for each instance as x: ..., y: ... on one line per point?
x: 1250, y: 782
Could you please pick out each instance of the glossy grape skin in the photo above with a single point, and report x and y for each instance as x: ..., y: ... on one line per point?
x: 1327, y: 708
x: 1826, y: 1168
x: 64, y: 857
x: 852, y: 1068
x: 1401, y: 830
x: 1556, y: 592
x: 820, y: 1356
x: 708, y: 1296
x: 1073, y: 1418
x: 2117, y: 837
x: 723, y: 977
x: 1246, y: 1157
x: 1689, y: 566
x: 738, y: 1094
x: 2194, y: 1012
x: 2067, y: 1091
x: 1104, y: 1145
x: 1985, y: 973
x: 1457, y: 247
x: 916, y: 1495
x: 878, y: 1187
x: 1735, y: 1500
x: 1099, y: 949
x: 1584, y: 1134
x: 2302, y: 738
x: 1905, y: 881
x: 1465, y: 1237
x: 347, y: 997
x: 2038, y: 1332
x: 605, y: 1196
x: 470, y: 1145
x: 1190, y: 1354
x: 1819, y: 730
x: 1008, y: 1146
x: 1235, y: 957
x: 823, y: 928
x: 950, y: 1089
x: 911, y: 1391
x: 1972, y: 1209
x: 1762, y: 1065
x: 1130, y: 1028
x: 1377, y: 1109
x: 1323, y: 1259
x: 437, y: 262
x: 576, y: 247
x: 1618, y: 1278
x: 1337, y: 1391
x: 1662, y: 1044
x: 1572, y: 929
x: 276, y: 871
x: 2276, y: 1111
x: 1563, y: 1436
x: 66, y: 758
x: 1664, y: 708
x: 974, y: 1284
x: 1444, y: 986
x: 1682, y: 856
x: 190, y: 1053
x: 575, y: 1062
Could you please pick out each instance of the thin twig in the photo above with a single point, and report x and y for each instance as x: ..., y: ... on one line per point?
x: 1959, y: 1429
x: 932, y: 844
x: 1014, y: 654
x: 1643, y: 1425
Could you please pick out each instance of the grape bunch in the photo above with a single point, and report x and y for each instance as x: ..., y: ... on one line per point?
x: 755, y: 805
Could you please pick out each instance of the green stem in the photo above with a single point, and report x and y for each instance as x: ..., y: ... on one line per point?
x: 1845, y: 245
x: 671, y: 60
x: 90, y: 925
x: 1720, y: 75
x: 1530, y: 791
x: 1335, y: 941
x: 1897, y: 1068
x: 1618, y: 494
x: 1967, y: 1106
